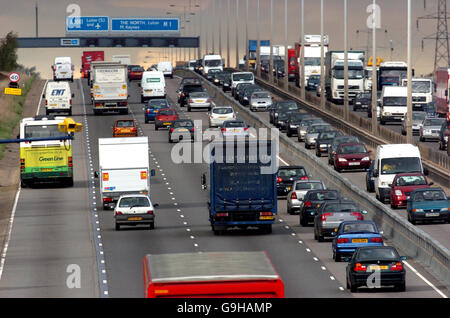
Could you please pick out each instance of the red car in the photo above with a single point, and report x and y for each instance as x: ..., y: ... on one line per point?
x: 135, y: 72
x: 165, y: 117
x: 404, y: 184
x: 352, y: 156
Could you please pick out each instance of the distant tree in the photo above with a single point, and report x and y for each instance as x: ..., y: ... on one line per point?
x: 8, y: 52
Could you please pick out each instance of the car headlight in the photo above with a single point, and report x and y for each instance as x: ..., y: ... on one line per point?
x: 398, y: 192
x: 293, y: 126
x: 365, y: 159
x: 246, y: 98
x: 342, y: 160
x: 276, y: 114
x: 417, y: 210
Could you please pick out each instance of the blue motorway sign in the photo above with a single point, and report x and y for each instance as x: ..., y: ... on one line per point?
x: 145, y: 25
x: 87, y: 24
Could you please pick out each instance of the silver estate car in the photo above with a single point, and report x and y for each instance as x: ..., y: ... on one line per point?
x: 260, y: 101
x: 294, y: 198
x: 430, y: 128
x: 313, y: 132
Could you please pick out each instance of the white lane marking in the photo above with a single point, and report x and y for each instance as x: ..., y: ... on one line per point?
x: 40, y: 99
x: 425, y: 280
x: 341, y: 288
x: 10, y: 225
x: 332, y: 278
x: 323, y: 268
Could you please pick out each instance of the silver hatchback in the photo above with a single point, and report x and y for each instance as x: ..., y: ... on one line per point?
x: 313, y: 132
x: 430, y: 128
x: 294, y: 198
x: 260, y: 101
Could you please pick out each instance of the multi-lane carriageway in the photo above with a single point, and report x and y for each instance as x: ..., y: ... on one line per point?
x: 57, y: 231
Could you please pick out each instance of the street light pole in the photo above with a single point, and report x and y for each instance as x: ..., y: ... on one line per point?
x: 207, y: 20
x: 213, y: 25
x: 271, y: 66
x: 322, y: 50
x: 374, y: 71
x: 220, y: 27
x: 237, y: 34
x: 286, y: 75
x: 246, y: 40
x: 409, y: 136
x: 258, y: 45
x: 228, y: 35
x: 346, y: 60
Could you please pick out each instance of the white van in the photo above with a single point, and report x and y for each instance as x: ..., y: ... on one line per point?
x: 210, y: 62
x: 166, y: 68
x: 391, y: 160
x: 241, y: 77
x: 58, y: 98
x: 153, y: 84
x: 63, y: 69
x: 393, y: 103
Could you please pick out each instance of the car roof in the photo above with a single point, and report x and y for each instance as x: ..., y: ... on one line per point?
x: 291, y: 167
x: 135, y: 196
x: 428, y: 189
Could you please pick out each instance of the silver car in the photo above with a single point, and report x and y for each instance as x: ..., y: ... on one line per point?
x: 313, y: 132
x: 219, y: 114
x: 304, y: 125
x: 430, y: 128
x: 417, y: 119
x: 198, y: 100
x: 299, y: 188
x: 234, y: 128
x: 260, y: 101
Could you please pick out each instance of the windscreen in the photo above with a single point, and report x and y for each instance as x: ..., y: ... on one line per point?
x: 134, y: 202
x: 328, y: 134
x: 288, y: 106
x: 167, y: 112
x: 421, y: 87
x: 433, y: 121
x: 341, y: 207
x: 400, y: 165
x: 291, y: 173
x: 359, y: 227
x: 242, y: 77
x: 222, y: 110
x: 125, y: 123
x: 394, y: 101
x: 309, y: 186
x: 374, y: 254
x: 45, y: 131
x: 213, y: 63
x: 185, y: 123
x: 158, y: 104
x: 261, y: 95
x: 352, y: 74
x: 430, y: 195
x: 352, y: 149
x: 312, y: 61
x: 411, y: 181
x: 113, y: 75
x: 234, y: 124
x: 323, y: 196
x: 418, y: 116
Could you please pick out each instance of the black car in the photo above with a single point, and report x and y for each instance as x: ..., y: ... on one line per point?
x: 313, y: 82
x: 312, y: 201
x: 362, y: 101
x: 283, y: 117
x: 335, y: 143
x: 324, y: 140
x: 288, y: 105
x: 370, y: 179
x: 294, y: 121
x: 225, y: 82
x: 444, y: 135
x: 211, y: 74
x: 278, y: 68
x: 383, y: 261
x: 181, y: 129
x: 240, y: 89
x: 186, y: 90
x: 244, y: 98
x: 286, y: 177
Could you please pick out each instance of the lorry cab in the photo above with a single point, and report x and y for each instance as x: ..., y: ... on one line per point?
x: 58, y: 98
x: 422, y: 92
x: 153, y: 84
x: 391, y: 160
x: 211, y: 62
x: 393, y: 103
x: 63, y: 69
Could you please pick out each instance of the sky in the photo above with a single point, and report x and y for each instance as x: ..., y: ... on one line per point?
x: 19, y: 16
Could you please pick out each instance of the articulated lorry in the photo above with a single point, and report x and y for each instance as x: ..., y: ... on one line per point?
x: 442, y: 78
x: 109, y: 87
x: 264, y: 46
x: 211, y: 274
x: 334, y: 79
x: 243, y: 185
x: 124, y: 168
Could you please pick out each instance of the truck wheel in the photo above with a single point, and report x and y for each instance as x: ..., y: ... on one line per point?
x: 117, y: 227
x: 189, y: 109
x: 320, y: 238
x: 124, y: 112
x: 70, y: 112
x: 47, y: 112
x: 23, y: 184
x: 69, y: 182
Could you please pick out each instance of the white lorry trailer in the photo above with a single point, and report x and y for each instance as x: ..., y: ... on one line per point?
x: 124, y: 168
x: 109, y: 87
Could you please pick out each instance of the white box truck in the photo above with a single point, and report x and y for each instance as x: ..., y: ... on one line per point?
x: 393, y: 103
x: 334, y: 80
x: 63, y: 69
x: 109, y: 88
x: 124, y: 168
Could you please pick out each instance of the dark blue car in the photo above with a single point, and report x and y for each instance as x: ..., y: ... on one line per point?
x: 353, y: 234
x: 313, y: 82
x: 370, y: 179
x: 153, y: 107
x: 428, y: 204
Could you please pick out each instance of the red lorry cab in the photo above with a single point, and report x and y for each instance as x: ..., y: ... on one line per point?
x: 211, y: 275
x: 87, y: 58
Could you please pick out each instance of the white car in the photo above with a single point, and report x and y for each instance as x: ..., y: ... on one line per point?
x: 235, y: 127
x: 299, y: 189
x: 134, y: 209
x: 219, y: 114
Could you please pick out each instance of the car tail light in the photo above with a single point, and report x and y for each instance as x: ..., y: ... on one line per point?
x: 304, y: 178
x: 46, y: 102
x: 279, y: 180
x: 358, y: 215
x: 192, y: 129
x: 70, y: 101
x: 123, y: 104
x: 222, y: 214
x: 224, y: 129
x: 182, y: 94
x: 107, y: 199
x: 98, y: 104
x: 324, y: 216
x: 172, y: 129
x: 342, y: 240
x: 70, y: 162
x: 234, y: 116
x: 191, y: 101
x: 245, y: 128
x: 294, y: 196
x: 360, y: 267
x: 150, y: 212
x: 147, y: 111
x: 376, y: 240
x: 118, y: 213
x: 22, y: 164
x: 308, y: 203
x: 397, y: 267
x: 208, y: 100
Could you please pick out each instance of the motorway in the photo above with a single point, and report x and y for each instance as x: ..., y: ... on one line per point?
x: 54, y: 227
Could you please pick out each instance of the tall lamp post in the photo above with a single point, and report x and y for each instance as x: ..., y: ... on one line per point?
x: 322, y: 68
